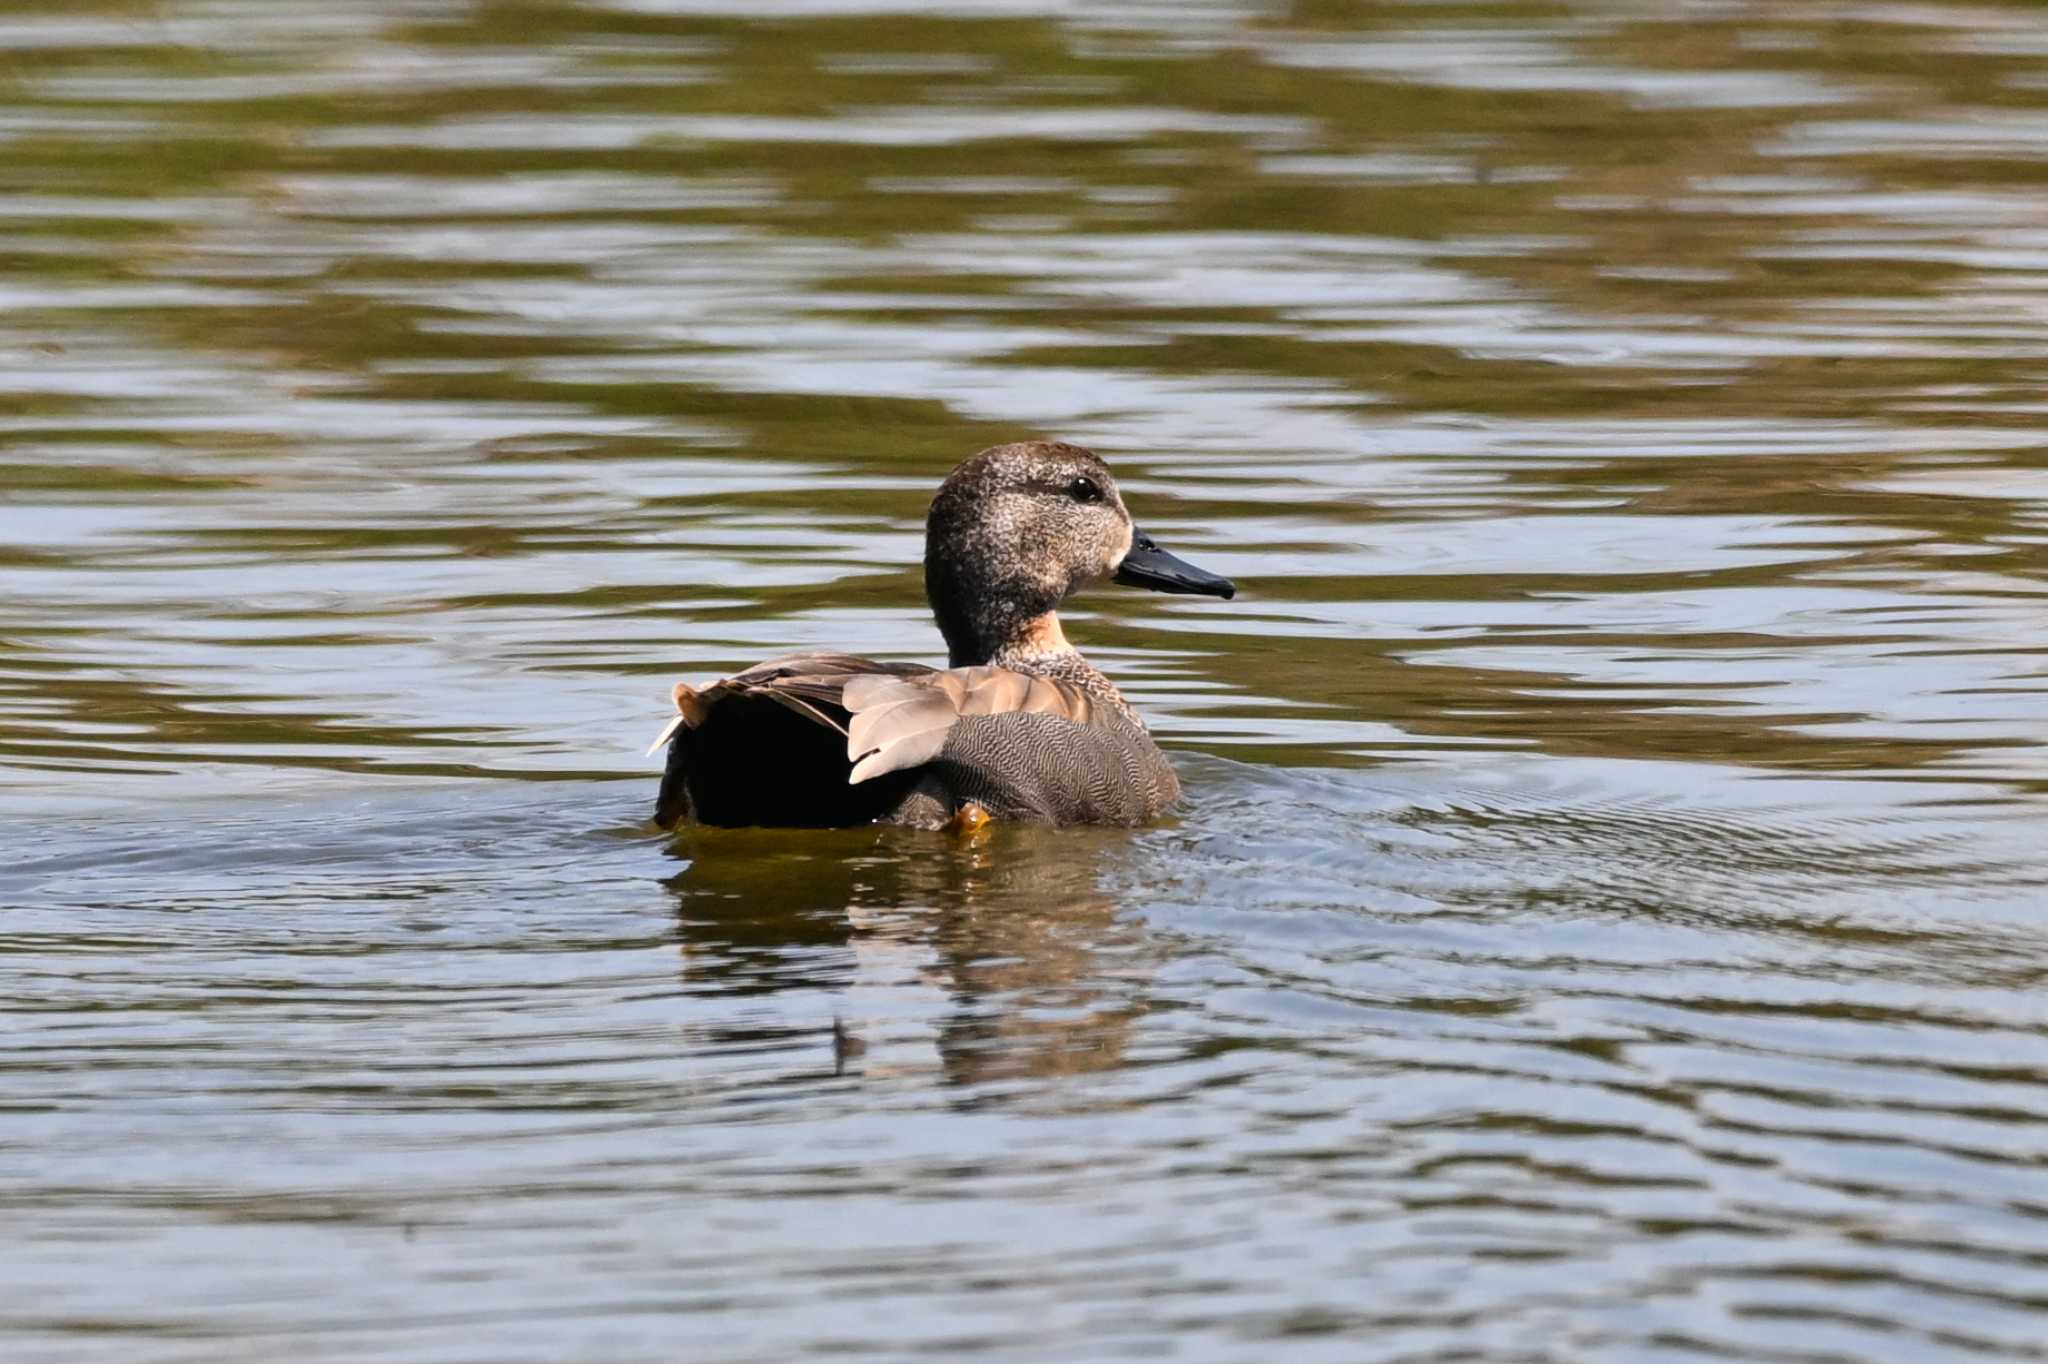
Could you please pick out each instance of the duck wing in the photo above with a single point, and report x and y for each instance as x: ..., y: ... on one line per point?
x: 766, y: 746
x: 821, y: 739
x: 904, y: 721
x: 1017, y: 745
x: 809, y: 684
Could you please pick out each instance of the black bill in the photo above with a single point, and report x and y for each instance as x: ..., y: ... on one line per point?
x: 1147, y: 565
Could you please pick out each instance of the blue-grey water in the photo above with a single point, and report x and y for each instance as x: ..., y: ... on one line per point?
x: 1609, y: 918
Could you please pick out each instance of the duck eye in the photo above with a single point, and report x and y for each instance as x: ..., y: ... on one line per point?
x: 1084, y: 490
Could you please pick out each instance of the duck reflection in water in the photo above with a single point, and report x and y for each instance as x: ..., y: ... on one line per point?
x: 1005, y: 947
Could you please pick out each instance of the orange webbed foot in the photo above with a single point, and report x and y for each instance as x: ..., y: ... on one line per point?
x: 969, y: 819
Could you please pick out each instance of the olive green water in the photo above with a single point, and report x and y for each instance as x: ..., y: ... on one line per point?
x: 1610, y: 917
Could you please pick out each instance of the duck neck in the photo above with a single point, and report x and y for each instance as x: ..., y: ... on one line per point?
x: 1035, y: 638
x: 983, y: 616
x: 1026, y: 642
x: 1040, y: 648
x: 1004, y: 639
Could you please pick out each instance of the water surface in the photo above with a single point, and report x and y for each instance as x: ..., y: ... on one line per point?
x: 1607, y: 918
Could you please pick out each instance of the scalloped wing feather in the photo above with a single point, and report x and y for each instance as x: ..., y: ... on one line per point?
x: 903, y: 722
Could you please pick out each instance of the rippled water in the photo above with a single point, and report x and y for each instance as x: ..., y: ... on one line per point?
x: 1610, y: 917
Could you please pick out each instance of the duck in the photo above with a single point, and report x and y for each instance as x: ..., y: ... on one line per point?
x: 1018, y: 726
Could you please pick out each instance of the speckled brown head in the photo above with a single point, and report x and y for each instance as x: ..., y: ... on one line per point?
x: 1015, y: 530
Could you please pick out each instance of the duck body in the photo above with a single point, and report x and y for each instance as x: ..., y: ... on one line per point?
x: 1020, y: 727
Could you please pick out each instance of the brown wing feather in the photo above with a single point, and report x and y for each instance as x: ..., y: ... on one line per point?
x: 896, y: 723
x: 809, y: 684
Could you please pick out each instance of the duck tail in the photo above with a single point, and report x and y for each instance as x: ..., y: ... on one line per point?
x: 690, y: 712
x: 674, y: 801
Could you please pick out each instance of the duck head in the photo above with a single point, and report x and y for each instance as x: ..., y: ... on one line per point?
x: 1015, y: 530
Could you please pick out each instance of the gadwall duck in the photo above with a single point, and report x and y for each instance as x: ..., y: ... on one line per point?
x: 1019, y: 726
